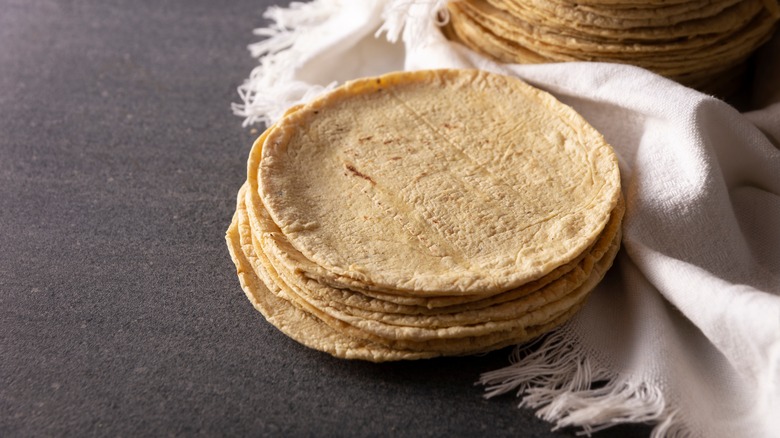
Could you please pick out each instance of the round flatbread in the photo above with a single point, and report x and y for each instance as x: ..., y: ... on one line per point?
x: 449, y: 182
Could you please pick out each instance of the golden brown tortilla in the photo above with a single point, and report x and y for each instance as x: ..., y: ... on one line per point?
x: 449, y: 183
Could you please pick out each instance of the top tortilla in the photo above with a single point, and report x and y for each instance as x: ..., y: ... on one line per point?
x: 453, y: 182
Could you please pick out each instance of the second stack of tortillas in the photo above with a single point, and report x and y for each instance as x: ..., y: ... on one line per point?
x: 423, y: 214
x: 702, y: 44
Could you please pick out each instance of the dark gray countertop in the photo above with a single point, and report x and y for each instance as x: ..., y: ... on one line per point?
x: 120, y: 310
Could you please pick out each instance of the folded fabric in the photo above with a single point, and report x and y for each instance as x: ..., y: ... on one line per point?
x: 685, y: 330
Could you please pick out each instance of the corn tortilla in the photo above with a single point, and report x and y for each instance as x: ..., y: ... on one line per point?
x: 438, y: 207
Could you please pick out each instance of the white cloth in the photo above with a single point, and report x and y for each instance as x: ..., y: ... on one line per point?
x: 685, y: 330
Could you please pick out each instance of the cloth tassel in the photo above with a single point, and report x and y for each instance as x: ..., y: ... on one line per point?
x: 567, y: 389
x: 272, y: 87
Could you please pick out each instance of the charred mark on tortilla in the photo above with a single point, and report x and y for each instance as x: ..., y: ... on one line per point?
x: 358, y: 173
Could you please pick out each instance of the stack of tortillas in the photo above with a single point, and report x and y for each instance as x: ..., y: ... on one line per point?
x: 422, y: 214
x: 700, y: 43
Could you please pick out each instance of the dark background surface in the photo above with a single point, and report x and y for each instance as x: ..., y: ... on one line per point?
x: 120, y: 310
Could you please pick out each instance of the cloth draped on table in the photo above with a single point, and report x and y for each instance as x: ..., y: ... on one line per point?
x: 684, y: 332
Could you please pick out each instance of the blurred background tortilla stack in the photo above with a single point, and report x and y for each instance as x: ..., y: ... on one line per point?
x: 700, y: 43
